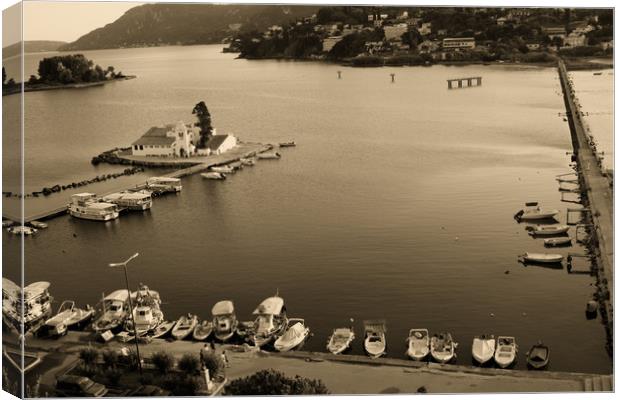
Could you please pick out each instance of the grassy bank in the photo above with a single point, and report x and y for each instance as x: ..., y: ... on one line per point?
x: 37, y: 87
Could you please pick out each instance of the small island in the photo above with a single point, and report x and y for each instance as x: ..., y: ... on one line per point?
x: 64, y: 72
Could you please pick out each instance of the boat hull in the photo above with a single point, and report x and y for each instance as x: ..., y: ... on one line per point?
x: 94, y: 217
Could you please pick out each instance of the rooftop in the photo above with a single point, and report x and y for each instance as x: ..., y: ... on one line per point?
x: 216, y: 141
x: 156, y: 135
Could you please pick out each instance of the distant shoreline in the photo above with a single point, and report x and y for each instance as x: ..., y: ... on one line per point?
x: 40, y: 86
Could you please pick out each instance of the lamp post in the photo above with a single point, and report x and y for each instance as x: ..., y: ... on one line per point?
x: 133, y: 322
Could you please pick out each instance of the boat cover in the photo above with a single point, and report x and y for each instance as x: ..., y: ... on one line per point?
x: 272, y: 306
x: 117, y: 295
x: 224, y: 307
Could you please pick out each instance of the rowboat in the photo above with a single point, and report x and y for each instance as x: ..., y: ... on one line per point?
x: 38, y: 224
x: 538, y: 356
x: 443, y: 347
x: 505, y: 351
x: 418, y: 344
x: 544, y: 258
x: 268, y: 156
x: 162, y: 329
x: 224, y: 320
x: 295, y: 335
x: 184, y: 326
x: 202, y: 330
x: 556, y: 242
x: 224, y: 169
x: 340, y: 340
x: 213, y: 175
x: 548, y: 230
x: 288, y: 144
x: 374, y: 338
x: 68, y: 316
x: 483, y: 348
x: 533, y: 211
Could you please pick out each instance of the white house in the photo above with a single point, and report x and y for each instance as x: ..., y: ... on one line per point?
x: 575, y: 40
x: 219, y: 144
x: 170, y: 140
x: 459, y: 43
x: 425, y: 29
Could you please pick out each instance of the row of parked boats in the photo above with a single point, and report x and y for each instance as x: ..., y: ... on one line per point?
x: 220, y: 172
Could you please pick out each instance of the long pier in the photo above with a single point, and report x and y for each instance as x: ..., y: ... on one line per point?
x: 596, y: 193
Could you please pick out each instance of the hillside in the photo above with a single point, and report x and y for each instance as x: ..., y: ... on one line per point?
x: 31, y: 46
x: 185, y: 24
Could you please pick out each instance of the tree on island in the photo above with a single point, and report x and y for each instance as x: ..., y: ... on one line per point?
x: 72, y: 68
x: 204, y: 122
x: 271, y: 382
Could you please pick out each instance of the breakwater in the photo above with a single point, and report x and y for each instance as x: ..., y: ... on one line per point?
x: 597, y: 198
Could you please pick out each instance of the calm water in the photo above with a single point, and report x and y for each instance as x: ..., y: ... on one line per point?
x: 396, y: 204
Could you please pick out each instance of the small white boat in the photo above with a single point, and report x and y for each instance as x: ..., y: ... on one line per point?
x: 374, y: 338
x: 483, y: 348
x: 202, y: 330
x: 248, y: 161
x: 140, y: 201
x: 213, y: 175
x: 184, y: 326
x: 533, y: 211
x: 68, y: 316
x: 271, y: 321
x: 87, y: 206
x: 163, y: 329
x: 340, y: 340
x: 273, y: 155
x: 114, y: 310
x: 555, y: 242
x: 38, y: 224
x: 545, y: 258
x: 288, y: 144
x: 418, y: 344
x: 164, y: 184
x: 538, y: 356
x: 505, y: 351
x: 549, y: 230
x: 19, y: 229
x: 443, y: 347
x: 294, y: 336
x: 223, y: 169
x: 146, y: 313
x: 224, y: 320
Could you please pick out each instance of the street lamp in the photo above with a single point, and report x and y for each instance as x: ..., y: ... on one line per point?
x: 133, y: 322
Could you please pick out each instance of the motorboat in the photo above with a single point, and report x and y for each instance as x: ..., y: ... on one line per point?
x: 271, y: 321
x: 505, y: 351
x: 184, y: 326
x: 548, y: 230
x: 558, y: 242
x: 374, y: 338
x: 443, y: 347
x: 38, y: 224
x: 31, y: 306
x: 294, y: 337
x: 202, y: 330
x: 163, y: 184
x: 544, y: 258
x: 223, y: 169
x: 248, y: 162
x: 113, y: 312
x: 213, y: 175
x: 274, y: 155
x: 418, y: 344
x: 340, y: 340
x: 538, y: 356
x: 224, y: 320
x: 68, y: 317
x: 162, y: 329
x: 131, y: 200
x: 146, y: 313
x: 288, y: 144
x: 483, y: 348
x: 22, y: 230
x: 87, y: 206
x: 533, y: 211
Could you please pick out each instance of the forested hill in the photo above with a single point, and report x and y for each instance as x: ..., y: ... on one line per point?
x: 31, y: 46
x: 186, y: 24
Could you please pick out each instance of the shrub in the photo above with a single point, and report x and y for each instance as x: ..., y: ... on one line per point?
x: 162, y: 361
x: 113, y: 375
x: 271, y: 382
x: 182, y: 386
x: 87, y: 370
x: 214, y: 364
x: 89, y: 355
x: 130, y: 360
x: 110, y: 358
x: 189, y: 364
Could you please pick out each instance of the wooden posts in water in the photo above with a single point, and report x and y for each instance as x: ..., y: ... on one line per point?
x: 392, y: 75
x: 470, y: 80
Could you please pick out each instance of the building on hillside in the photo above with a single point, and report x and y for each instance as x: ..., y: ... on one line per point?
x: 428, y: 46
x: 425, y: 29
x: 394, y: 32
x: 218, y: 144
x: 168, y: 141
x: 501, y: 21
x: 374, y: 47
x: 330, y: 42
x: 533, y: 46
x: 459, y: 43
x: 575, y: 40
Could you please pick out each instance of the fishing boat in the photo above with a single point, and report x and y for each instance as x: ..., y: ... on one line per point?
x: 163, y: 184
x: 273, y: 155
x: 374, y: 338
x: 162, y: 329
x: 202, y: 330
x: 20, y: 229
x: 533, y: 211
x: 31, y: 306
x: 538, y: 356
x: 548, y: 230
x: 213, y: 175
x: 223, y: 169
x: 443, y: 347
x: 68, y: 317
x: 340, y: 339
x: 558, y: 242
x: 184, y: 326
x: 224, y: 320
x: 544, y: 258
x: 505, y: 351
x: 87, y: 206
x: 294, y: 337
x: 418, y: 344
x: 113, y: 311
x: 483, y: 348
x: 131, y: 200
x: 288, y: 144
x: 248, y: 162
x: 271, y: 321
x: 38, y: 224
x: 146, y: 313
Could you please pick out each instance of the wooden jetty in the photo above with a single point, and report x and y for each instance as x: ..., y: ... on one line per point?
x: 460, y: 81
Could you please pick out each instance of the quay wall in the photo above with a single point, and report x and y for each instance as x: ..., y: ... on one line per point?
x: 597, y: 197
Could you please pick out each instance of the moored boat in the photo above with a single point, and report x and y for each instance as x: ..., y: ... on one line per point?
x: 248, y: 161
x: 113, y: 311
x: 224, y: 320
x: 29, y: 307
x: 538, y: 356
x: 131, y: 200
x: 213, y: 175
x: 87, y: 206
x: 163, y: 184
x: 483, y: 348
x: 245, y: 330
x: 162, y: 329
x: 443, y: 347
x: 288, y: 144
x: 184, y: 326
x: 20, y: 229
x: 38, y: 224
x: 294, y: 336
x: 544, y: 258
x: 548, y: 230
x: 7, y: 223
x: 272, y: 155
x: 68, y: 317
x: 223, y: 169
x: 374, y: 338
x: 202, y: 330
x: 505, y: 351
x: 271, y: 321
x: 418, y: 344
x: 146, y: 313
x: 533, y: 211
x: 557, y: 242
x: 340, y: 340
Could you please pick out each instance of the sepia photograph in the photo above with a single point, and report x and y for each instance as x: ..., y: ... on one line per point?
x: 260, y: 199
